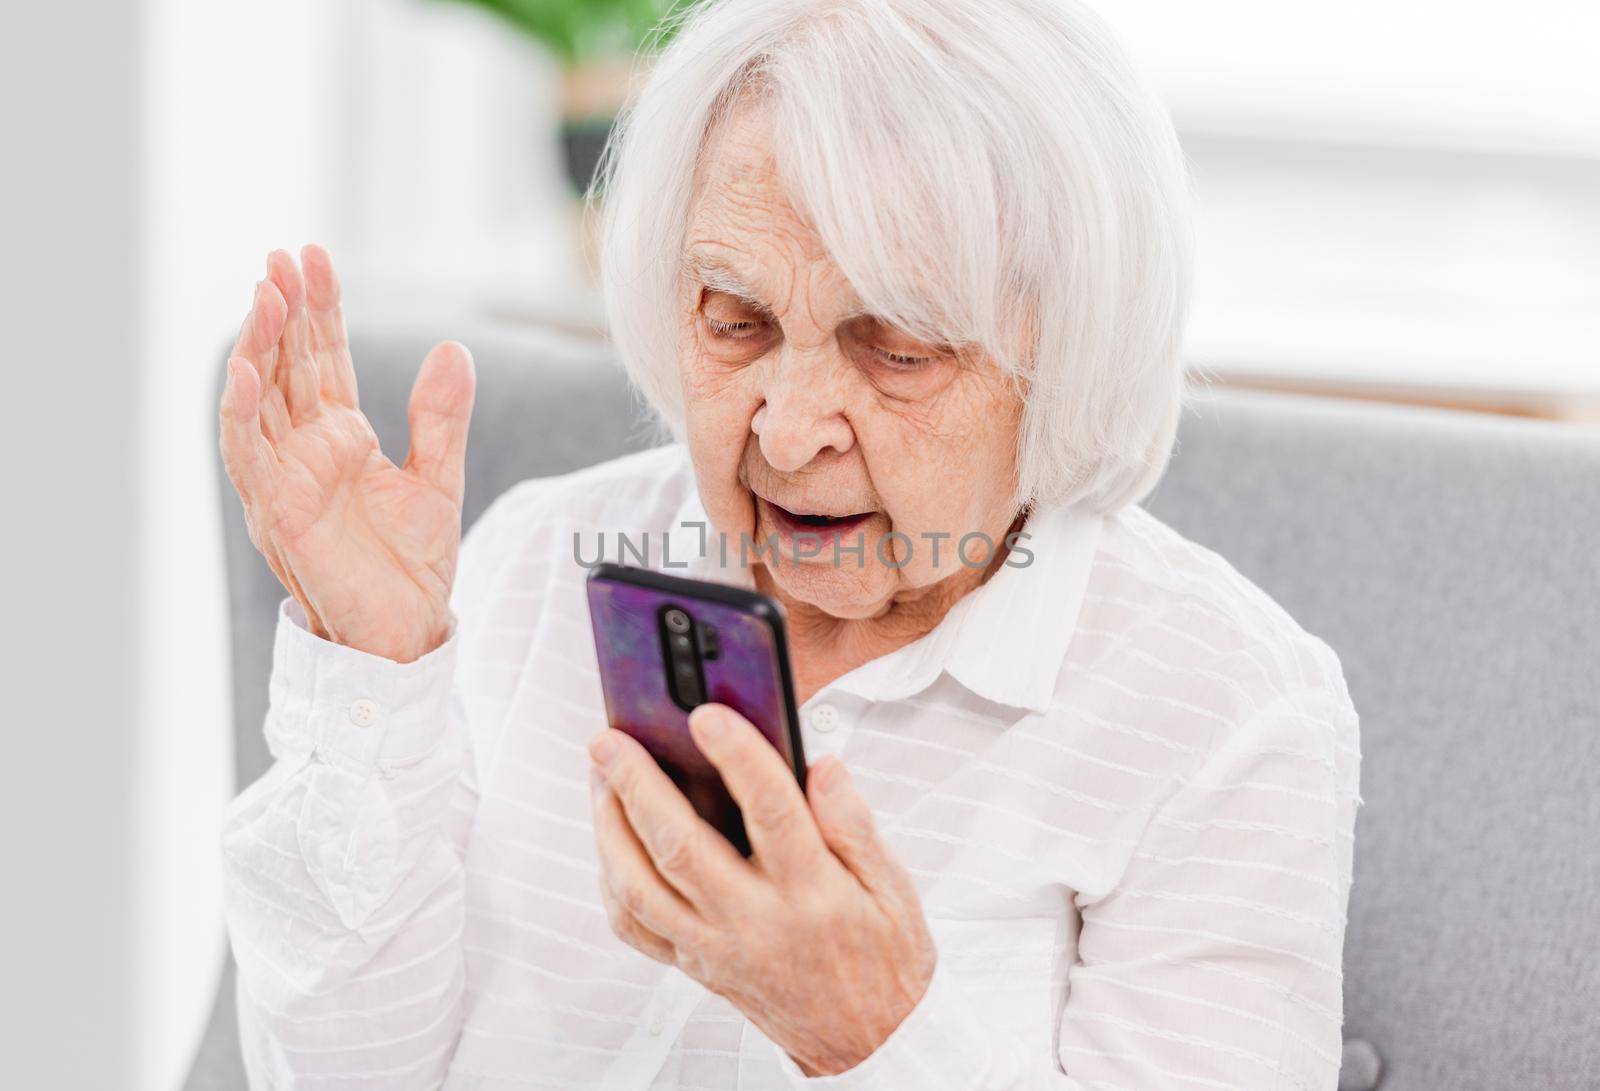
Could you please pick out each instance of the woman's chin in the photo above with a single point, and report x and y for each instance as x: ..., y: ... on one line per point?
x: 843, y: 592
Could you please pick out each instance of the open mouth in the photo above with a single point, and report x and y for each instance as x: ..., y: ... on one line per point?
x: 813, y: 521
x: 821, y: 520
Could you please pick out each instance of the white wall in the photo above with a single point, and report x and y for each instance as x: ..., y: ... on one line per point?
x: 70, y: 309
x: 414, y: 140
x: 233, y: 131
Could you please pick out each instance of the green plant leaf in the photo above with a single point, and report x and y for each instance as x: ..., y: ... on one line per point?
x: 580, y: 30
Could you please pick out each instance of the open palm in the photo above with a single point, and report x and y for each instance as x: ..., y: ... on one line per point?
x: 366, y: 547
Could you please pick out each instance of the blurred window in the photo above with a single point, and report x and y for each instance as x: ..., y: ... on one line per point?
x: 1402, y: 194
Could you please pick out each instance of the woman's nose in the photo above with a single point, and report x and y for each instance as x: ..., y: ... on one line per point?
x: 798, y: 420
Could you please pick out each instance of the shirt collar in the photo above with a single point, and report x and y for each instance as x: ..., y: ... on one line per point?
x: 1006, y: 640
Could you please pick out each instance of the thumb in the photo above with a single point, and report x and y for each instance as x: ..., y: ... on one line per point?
x: 851, y: 833
x: 439, y: 413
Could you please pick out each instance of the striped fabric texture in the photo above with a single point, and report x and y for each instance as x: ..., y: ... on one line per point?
x: 1124, y: 779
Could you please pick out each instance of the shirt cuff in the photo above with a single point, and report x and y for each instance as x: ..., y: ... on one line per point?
x: 940, y: 1044
x: 352, y: 708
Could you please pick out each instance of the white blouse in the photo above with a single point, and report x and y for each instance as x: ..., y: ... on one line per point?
x: 1123, y: 778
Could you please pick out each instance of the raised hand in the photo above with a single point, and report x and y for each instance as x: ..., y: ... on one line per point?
x: 368, y: 548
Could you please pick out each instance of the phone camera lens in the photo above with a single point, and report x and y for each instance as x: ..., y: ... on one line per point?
x: 683, y: 665
x: 710, y: 646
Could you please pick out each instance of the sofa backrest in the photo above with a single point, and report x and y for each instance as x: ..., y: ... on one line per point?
x: 1452, y: 560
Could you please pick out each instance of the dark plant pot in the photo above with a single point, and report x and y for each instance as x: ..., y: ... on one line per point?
x: 582, y: 142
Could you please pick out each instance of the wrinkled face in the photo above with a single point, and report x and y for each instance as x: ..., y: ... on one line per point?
x: 819, y: 428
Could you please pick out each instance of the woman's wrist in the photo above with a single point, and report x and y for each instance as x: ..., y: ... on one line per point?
x: 397, y: 647
x: 941, y: 1033
x: 846, y: 1056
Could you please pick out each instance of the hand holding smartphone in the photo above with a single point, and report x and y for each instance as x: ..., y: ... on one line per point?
x: 667, y: 644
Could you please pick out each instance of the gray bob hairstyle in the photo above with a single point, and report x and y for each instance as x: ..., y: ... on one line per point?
x: 985, y: 172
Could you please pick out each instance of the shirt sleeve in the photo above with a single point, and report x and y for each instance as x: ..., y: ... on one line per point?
x: 345, y: 886
x: 1215, y: 962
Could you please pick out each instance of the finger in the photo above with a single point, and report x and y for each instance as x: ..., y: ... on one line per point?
x: 782, y: 832
x: 299, y: 380
x: 697, y: 861
x: 628, y: 877
x: 252, y: 465
x: 257, y: 343
x: 246, y: 456
x: 251, y: 343
x: 267, y: 316
x: 850, y: 832
x: 440, y: 412
x: 626, y: 927
x: 325, y: 320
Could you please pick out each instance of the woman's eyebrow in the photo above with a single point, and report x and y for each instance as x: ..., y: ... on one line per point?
x: 716, y: 274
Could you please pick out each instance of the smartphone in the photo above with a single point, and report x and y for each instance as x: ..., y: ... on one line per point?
x: 667, y: 644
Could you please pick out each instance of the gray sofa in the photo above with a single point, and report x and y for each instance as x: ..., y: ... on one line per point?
x: 1452, y: 561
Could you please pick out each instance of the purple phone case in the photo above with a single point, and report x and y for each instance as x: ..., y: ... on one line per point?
x: 747, y: 675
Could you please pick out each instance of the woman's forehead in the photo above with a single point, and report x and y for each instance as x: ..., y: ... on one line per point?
x: 738, y: 154
x: 729, y: 272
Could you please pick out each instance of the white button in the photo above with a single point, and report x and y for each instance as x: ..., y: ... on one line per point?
x: 824, y: 718
x: 658, y: 1022
x: 363, y: 713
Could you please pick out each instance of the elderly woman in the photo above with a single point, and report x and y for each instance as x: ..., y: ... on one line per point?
x: 907, y: 272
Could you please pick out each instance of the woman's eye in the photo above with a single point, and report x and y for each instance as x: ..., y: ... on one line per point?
x: 901, y: 362
x: 734, y: 330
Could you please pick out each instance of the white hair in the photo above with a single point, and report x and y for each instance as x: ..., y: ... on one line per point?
x: 985, y: 172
